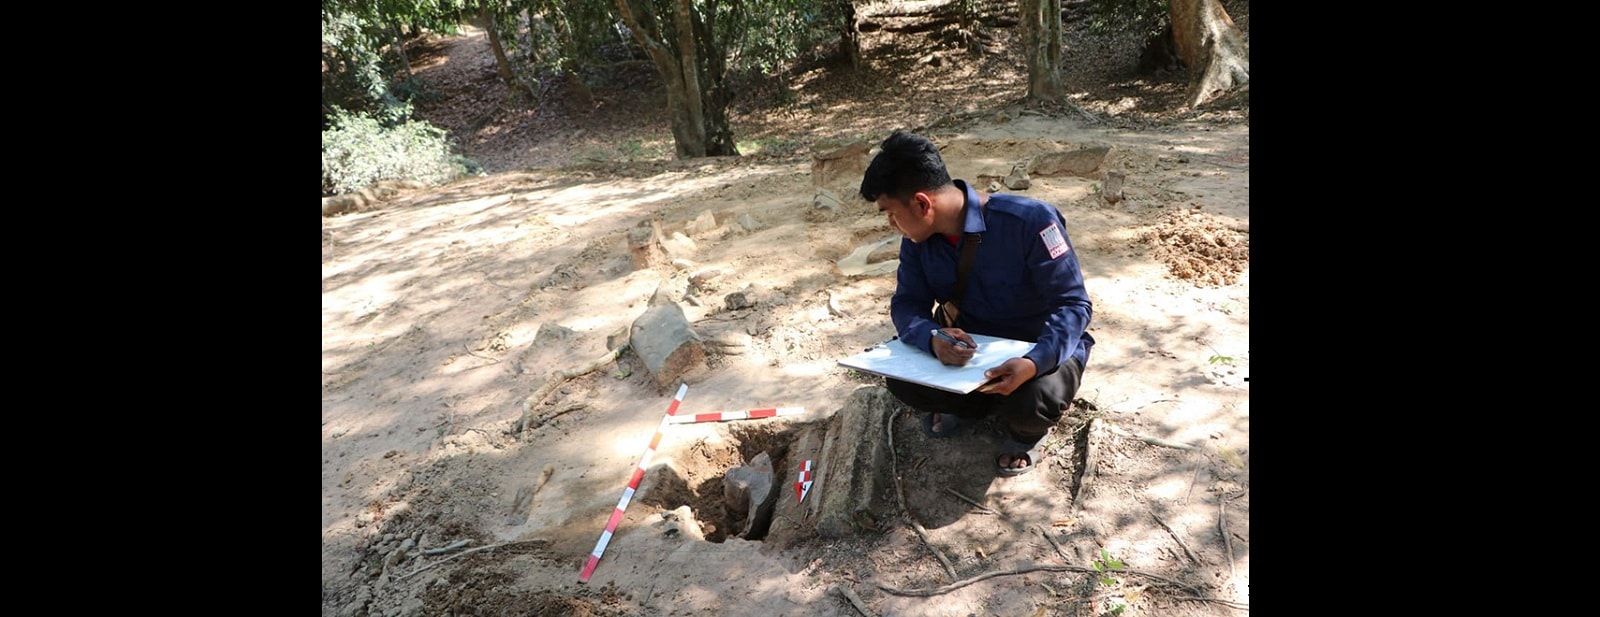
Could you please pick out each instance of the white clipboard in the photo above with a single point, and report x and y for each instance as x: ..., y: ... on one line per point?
x: 907, y: 363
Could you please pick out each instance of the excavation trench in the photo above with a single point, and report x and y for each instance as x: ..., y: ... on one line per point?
x: 741, y: 482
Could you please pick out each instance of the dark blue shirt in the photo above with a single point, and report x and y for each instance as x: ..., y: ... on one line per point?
x: 1025, y: 283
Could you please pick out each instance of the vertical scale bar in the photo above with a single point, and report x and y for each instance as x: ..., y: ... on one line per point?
x: 633, y: 485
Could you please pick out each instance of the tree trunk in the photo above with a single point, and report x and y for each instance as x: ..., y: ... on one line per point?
x: 715, y: 97
x: 400, y: 48
x: 685, y: 144
x: 575, y: 85
x: 682, y: 17
x: 719, y: 132
x: 1213, y: 49
x: 692, y: 69
x: 501, y: 64
x: 1041, y: 46
x: 850, y: 35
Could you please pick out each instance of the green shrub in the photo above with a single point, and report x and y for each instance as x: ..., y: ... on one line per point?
x: 414, y: 89
x: 359, y: 150
x: 353, y: 68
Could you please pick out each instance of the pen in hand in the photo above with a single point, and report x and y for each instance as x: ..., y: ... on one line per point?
x: 953, y: 340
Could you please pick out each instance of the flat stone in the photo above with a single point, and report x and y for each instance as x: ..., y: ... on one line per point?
x: 1082, y: 162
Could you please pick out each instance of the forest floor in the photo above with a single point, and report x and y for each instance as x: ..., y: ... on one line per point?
x: 445, y: 308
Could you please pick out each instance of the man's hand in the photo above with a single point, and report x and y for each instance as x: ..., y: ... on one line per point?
x: 1005, y: 379
x: 950, y: 353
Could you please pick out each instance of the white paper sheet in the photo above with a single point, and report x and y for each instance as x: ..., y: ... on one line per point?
x: 906, y: 363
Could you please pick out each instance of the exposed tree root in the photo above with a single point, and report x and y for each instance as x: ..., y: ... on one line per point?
x: 901, y: 495
x: 447, y: 560
x: 1193, y: 557
x: 854, y: 600
x: 1024, y: 570
x: 556, y: 379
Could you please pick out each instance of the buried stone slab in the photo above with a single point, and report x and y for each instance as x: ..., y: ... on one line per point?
x: 747, y: 493
x: 850, y: 478
x: 850, y: 472
x: 880, y: 257
x: 1018, y: 179
x: 837, y: 164
x: 1113, y: 189
x: 1083, y: 162
x: 644, y: 245
x: 825, y: 206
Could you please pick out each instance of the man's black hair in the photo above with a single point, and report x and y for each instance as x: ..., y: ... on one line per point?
x: 907, y: 163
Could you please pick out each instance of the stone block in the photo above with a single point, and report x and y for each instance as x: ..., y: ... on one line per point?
x: 1083, y: 162
x: 668, y: 346
x: 837, y: 164
x: 850, y: 472
x: 747, y: 494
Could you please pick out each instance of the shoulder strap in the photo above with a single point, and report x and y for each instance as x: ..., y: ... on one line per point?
x: 969, y: 249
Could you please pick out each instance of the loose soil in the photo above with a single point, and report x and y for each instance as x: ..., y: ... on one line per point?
x: 445, y: 308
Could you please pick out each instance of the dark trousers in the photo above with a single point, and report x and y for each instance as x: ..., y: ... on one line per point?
x: 1028, y: 412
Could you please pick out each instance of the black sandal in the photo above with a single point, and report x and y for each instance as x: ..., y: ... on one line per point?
x: 1033, y: 453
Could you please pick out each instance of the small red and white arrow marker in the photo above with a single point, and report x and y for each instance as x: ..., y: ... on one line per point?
x: 803, y: 484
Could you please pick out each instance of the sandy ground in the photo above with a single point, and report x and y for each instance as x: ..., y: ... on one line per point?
x: 444, y: 309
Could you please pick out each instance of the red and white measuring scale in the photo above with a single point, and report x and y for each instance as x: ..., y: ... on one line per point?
x: 633, y: 485
x: 749, y: 414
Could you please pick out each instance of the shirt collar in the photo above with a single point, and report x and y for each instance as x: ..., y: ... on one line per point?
x: 972, y: 209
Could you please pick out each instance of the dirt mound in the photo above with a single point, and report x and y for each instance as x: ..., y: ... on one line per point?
x: 1199, y: 248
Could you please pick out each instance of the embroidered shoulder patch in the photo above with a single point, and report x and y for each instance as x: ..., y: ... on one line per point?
x: 1054, y: 241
